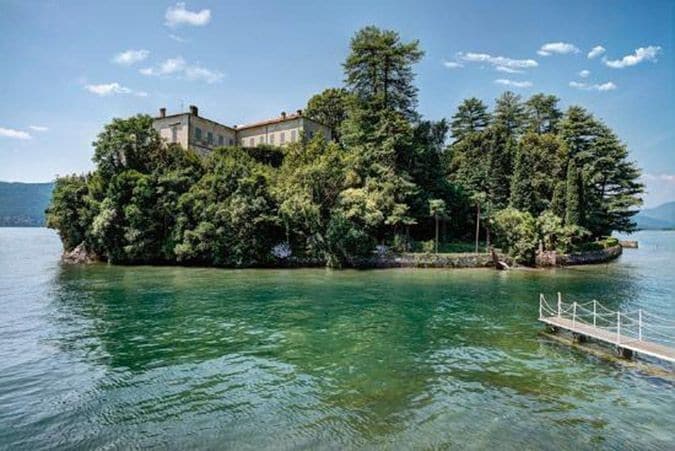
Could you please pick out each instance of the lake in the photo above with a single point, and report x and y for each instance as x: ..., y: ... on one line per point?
x: 165, y: 357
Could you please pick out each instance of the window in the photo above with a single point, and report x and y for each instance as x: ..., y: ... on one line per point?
x: 292, y: 136
x: 209, y: 138
x: 261, y: 140
x: 282, y: 137
x: 174, y: 134
x: 231, y: 142
x: 221, y: 141
x: 272, y: 138
x: 310, y: 135
x: 252, y: 142
x: 198, y: 134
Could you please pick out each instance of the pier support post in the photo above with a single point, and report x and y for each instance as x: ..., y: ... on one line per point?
x: 624, y: 353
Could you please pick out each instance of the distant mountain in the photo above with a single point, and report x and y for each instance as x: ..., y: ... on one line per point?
x: 24, y: 204
x: 661, y: 217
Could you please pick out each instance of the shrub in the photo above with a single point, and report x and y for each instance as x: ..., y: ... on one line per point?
x: 516, y: 232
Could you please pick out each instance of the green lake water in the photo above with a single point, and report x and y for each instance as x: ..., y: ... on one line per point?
x: 113, y: 357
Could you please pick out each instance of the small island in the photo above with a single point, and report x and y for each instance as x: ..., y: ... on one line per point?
x: 379, y: 183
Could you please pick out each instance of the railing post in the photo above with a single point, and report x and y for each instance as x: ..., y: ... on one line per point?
x: 640, y: 324
x: 618, y: 327
x: 594, y: 311
x: 574, y: 314
x: 559, y: 304
x: 541, y: 298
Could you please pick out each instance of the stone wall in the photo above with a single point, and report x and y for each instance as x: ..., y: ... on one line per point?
x: 552, y: 258
x: 428, y: 260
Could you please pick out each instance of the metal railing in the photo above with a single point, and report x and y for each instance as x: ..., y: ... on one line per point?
x: 628, y: 326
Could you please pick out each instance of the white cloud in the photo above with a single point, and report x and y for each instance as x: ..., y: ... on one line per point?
x: 497, y: 60
x: 513, y: 83
x: 596, y: 51
x: 561, y: 48
x: 584, y: 73
x: 453, y: 64
x: 178, y: 15
x: 38, y: 128
x: 508, y: 70
x: 107, y: 89
x: 177, y: 38
x: 179, y: 67
x: 130, y: 57
x: 609, y: 86
x: 203, y: 74
x: 642, y: 54
x: 14, y: 134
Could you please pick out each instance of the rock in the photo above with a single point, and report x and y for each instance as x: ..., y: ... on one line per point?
x: 629, y: 244
x: 79, y: 255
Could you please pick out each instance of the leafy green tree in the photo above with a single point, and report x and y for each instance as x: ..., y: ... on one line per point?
x: 516, y: 233
x: 70, y: 211
x: 329, y: 108
x: 543, y: 114
x: 538, y: 165
x: 471, y: 116
x: 128, y: 144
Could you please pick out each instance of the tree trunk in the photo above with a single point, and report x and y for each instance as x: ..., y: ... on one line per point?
x: 477, y: 225
x: 487, y: 239
x: 436, y: 216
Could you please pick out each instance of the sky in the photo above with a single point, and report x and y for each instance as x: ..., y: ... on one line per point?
x: 69, y: 67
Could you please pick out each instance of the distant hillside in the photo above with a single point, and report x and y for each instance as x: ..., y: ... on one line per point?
x: 24, y: 204
x: 661, y: 217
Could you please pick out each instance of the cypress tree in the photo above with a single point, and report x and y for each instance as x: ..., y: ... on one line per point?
x: 573, y: 212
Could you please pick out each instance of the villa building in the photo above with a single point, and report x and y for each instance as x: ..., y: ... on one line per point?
x: 203, y: 135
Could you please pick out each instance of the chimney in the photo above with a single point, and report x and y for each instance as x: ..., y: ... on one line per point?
x: 283, y: 115
x: 299, y: 112
x: 194, y: 110
x: 162, y: 112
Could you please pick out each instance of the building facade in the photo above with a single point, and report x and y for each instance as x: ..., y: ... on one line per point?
x: 203, y: 135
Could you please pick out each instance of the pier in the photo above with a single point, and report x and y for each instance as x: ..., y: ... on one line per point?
x: 631, y: 332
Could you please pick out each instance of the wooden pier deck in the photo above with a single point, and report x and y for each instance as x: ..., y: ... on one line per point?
x: 631, y: 332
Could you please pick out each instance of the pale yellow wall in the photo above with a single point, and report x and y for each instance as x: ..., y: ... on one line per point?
x: 281, y: 133
x: 204, y: 146
x: 271, y: 133
x: 165, y: 125
x: 276, y: 134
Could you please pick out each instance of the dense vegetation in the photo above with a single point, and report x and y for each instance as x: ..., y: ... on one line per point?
x: 24, y: 204
x: 523, y: 174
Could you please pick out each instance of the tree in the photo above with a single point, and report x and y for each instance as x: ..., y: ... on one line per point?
x: 516, y: 233
x: 378, y: 131
x: 478, y: 199
x: 128, y: 144
x: 471, y: 116
x: 436, y: 209
x: 329, y: 108
x: 543, y: 113
x: 538, y: 167
x: 510, y: 113
x: 574, y: 190
x: 378, y: 70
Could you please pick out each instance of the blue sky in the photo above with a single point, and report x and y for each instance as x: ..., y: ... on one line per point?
x: 70, y: 66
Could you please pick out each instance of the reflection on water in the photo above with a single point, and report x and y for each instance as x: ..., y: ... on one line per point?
x: 103, y: 356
